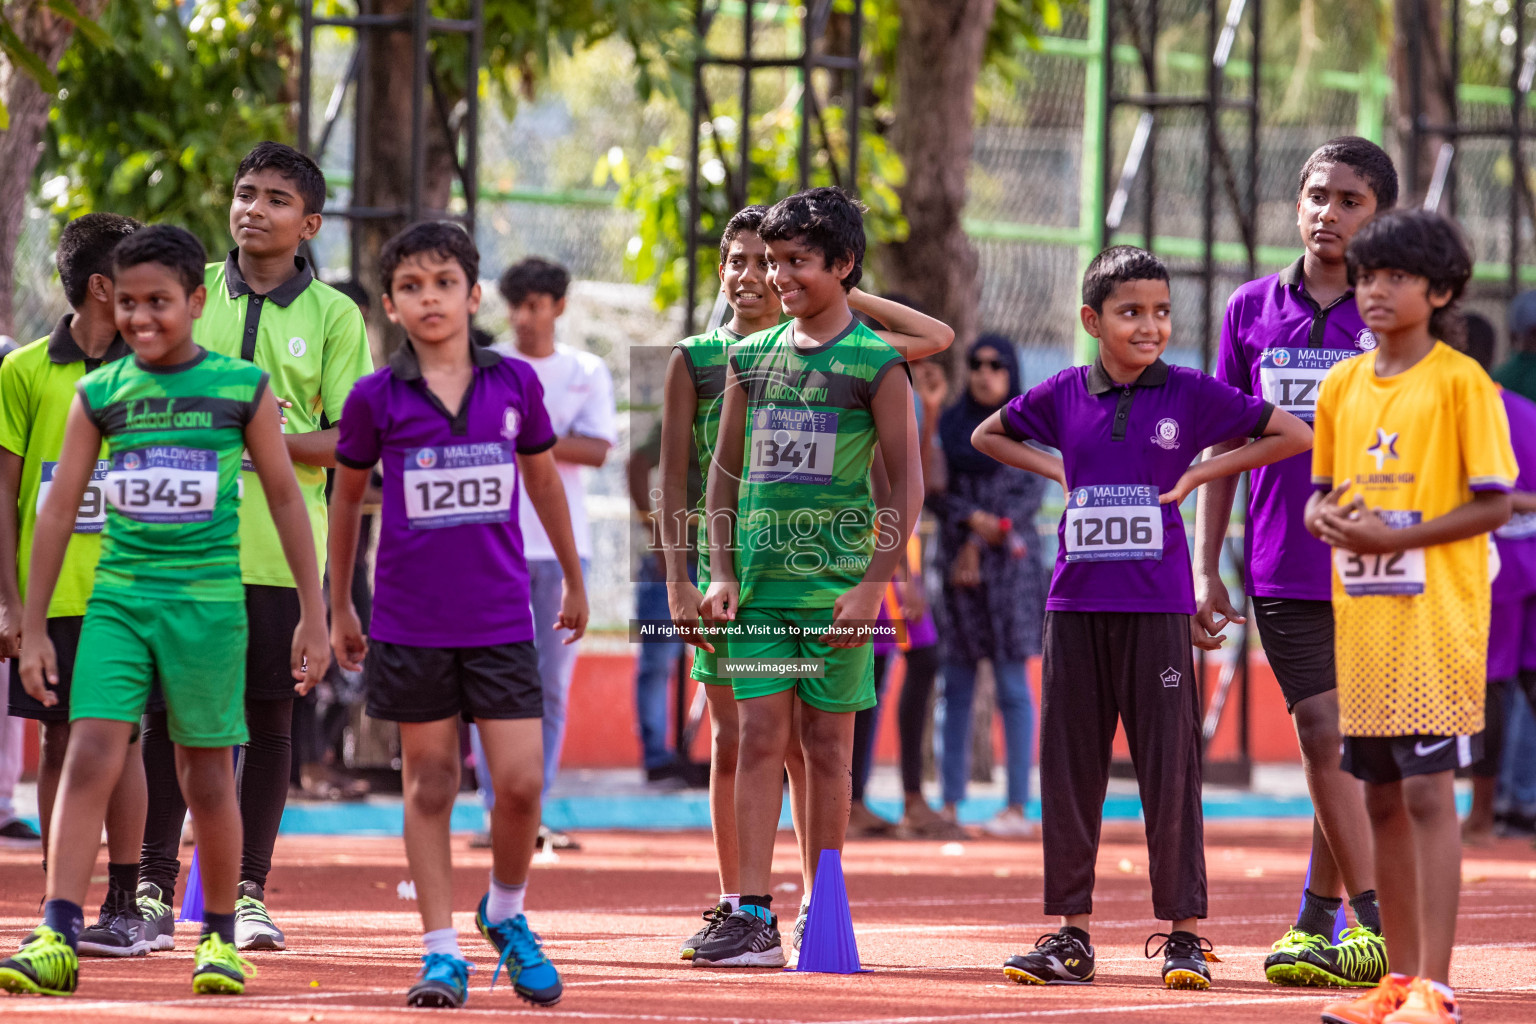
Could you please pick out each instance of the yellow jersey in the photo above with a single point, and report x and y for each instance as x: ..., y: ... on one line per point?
x: 1411, y: 628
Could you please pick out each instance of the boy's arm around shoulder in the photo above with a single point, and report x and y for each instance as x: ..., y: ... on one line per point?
x: 311, y: 654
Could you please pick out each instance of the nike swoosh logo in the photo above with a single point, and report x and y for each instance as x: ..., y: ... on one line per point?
x: 1420, y: 749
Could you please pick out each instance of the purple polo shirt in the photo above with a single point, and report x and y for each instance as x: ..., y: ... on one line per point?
x: 450, y: 570
x: 1278, y: 343
x: 1517, y: 538
x: 1123, y: 445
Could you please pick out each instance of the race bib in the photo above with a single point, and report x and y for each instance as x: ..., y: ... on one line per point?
x: 1289, y: 378
x: 1114, y: 523
x: 792, y: 446
x: 92, y: 513
x: 459, y: 484
x: 164, y: 485
x: 1521, y: 526
x: 1400, y: 573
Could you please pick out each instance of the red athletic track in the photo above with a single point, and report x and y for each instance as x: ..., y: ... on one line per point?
x: 934, y: 928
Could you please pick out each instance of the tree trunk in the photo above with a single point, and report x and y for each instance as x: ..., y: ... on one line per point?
x: 45, y: 34
x: 382, y: 174
x: 1433, y: 74
x: 938, y: 56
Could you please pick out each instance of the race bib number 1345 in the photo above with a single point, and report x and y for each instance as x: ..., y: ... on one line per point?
x: 165, y: 484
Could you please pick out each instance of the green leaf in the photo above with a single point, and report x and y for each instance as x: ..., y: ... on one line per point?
x: 87, y: 27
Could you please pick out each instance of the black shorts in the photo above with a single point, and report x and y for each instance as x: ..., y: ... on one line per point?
x: 1298, y: 640
x: 65, y: 634
x: 426, y: 684
x: 1384, y: 759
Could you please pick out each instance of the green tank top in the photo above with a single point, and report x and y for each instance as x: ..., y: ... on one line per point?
x: 706, y: 356
x: 172, y: 484
x: 806, y: 516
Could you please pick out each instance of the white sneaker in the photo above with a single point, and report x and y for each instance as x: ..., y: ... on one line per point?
x: 1009, y: 824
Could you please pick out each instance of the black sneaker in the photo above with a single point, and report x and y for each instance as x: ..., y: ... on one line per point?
x: 119, y: 931
x: 1058, y: 959
x: 17, y: 833
x: 743, y: 940
x: 158, y: 917
x: 714, y: 917
x: 1184, y: 958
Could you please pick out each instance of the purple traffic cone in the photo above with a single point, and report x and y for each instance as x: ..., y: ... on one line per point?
x: 829, y: 946
x: 192, y: 900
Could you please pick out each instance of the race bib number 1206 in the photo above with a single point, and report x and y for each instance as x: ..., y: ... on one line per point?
x: 165, y: 484
x: 459, y: 484
x: 1399, y: 573
x: 91, y: 516
x: 1114, y: 523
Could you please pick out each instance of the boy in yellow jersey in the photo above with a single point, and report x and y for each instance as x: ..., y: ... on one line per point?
x: 1413, y: 467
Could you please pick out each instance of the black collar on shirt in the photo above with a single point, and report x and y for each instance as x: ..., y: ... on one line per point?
x: 406, y: 366
x: 283, y: 294
x: 1099, y: 382
x: 1292, y: 277
x: 63, y: 350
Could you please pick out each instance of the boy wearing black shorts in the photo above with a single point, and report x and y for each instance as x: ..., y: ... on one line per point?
x: 1116, y: 643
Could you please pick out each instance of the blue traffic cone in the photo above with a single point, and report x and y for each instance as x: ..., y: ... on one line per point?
x: 1340, y: 920
x: 829, y: 946
x: 192, y: 900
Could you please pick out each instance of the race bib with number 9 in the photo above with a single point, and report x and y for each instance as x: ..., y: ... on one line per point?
x: 1114, y: 523
x: 1399, y: 573
x: 459, y: 484
x: 164, y: 485
x: 91, y: 516
x: 793, y: 446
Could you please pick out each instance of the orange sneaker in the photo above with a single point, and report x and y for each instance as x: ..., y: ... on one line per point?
x: 1371, y: 1008
x: 1425, y: 1005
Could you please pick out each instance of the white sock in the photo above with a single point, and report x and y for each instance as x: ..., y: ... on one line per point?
x: 1445, y: 990
x: 444, y: 940
x: 805, y: 904
x: 505, y: 901
x: 732, y: 900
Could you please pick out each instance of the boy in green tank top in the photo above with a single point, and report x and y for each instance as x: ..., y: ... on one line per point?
x: 37, y: 384
x: 167, y: 604
x: 801, y: 573
x: 690, y: 423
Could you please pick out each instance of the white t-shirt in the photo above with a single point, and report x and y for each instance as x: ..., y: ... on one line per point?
x: 578, y: 394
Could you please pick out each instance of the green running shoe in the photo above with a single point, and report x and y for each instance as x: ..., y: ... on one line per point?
x: 1280, y: 966
x: 219, y: 969
x: 1358, y: 961
x: 43, y: 966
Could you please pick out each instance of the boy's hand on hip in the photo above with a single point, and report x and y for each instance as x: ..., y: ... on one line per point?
x: 40, y: 670
x: 311, y: 655
x: 853, y: 615
x: 573, y: 612
x: 347, y: 640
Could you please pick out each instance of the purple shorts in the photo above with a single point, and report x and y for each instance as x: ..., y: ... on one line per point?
x: 1512, y: 637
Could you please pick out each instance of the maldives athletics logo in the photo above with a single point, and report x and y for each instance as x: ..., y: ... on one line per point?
x: 1280, y: 357
x: 426, y: 458
x: 1081, y: 497
x: 132, y: 462
x: 1365, y: 341
x: 1167, y: 435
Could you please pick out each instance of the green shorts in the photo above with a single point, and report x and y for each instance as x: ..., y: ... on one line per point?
x: 849, y: 680
x: 195, y: 648
x: 704, y: 663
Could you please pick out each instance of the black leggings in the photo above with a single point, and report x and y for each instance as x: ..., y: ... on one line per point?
x: 1495, y: 727
x: 261, y: 785
x: 911, y: 720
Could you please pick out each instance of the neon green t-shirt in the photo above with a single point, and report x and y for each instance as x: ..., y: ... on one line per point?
x: 37, y: 385
x: 310, y: 338
x: 174, y: 437
x: 806, y: 516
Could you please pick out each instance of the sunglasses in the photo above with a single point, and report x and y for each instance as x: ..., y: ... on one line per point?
x: 991, y: 364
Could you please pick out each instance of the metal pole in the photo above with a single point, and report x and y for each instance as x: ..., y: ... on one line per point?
x: 1415, y: 93
x: 1208, y: 200
x: 1149, y: 189
x: 306, y: 69
x: 419, y: 14
x: 807, y: 83
x: 744, y: 135
x: 855, y: 96
x: 1452, y: 101
x: 1092, y: 188
x: 472, y: 117
x: 691, y: 245
x: 1255, y: 64
x: 1517, y: 179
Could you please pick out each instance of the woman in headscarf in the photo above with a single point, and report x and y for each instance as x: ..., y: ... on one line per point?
x: 994, y: 582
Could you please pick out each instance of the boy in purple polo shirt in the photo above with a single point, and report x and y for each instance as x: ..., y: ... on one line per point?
x: 1116, y: 640
x: 1280, y: 335
x: 457, y: 428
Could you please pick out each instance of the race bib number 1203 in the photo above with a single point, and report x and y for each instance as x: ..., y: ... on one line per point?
x: 459, y: 484
x: 1114, y: 523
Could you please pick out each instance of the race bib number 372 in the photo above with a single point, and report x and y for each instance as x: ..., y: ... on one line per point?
x: 92, y: 513
x: 1114, y: 523
x: 459, y: 484
x: 1398, y: 573
x: 793, y: 446
x: 165, y: 484
x: 1290, y: 377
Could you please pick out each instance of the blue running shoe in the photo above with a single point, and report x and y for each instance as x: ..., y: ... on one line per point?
x: 443, y: 982
x: 534, y: 978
